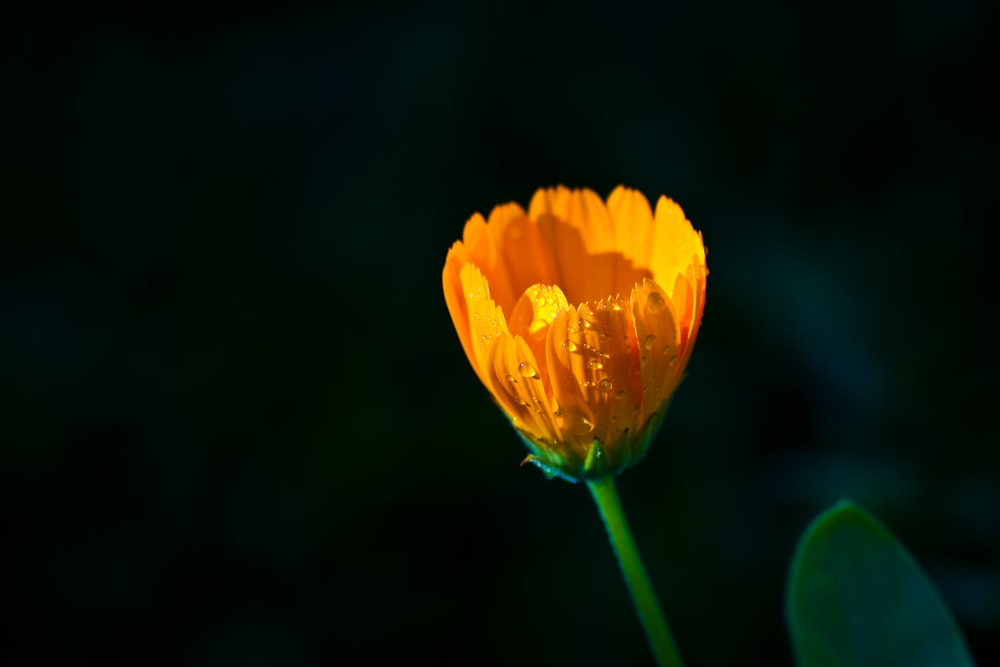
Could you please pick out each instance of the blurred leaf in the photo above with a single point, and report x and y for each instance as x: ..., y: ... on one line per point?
x: 857, y: 598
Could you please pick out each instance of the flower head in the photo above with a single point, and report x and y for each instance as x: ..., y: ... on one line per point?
x: 579, y: 317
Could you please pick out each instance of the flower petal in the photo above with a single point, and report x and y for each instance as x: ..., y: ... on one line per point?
x: 485, y: 319
x: 657, y: 340
x: 528, y: 255
x: 483, y: 248
x: 593, y: 366
x: 583, y: 209
x: 674, y: 244
x: 615, y: 382
x: 689, y: 303
x: 566, y: 362
x: 632, y: 219
x: 520, y: 389
x: 454, y: 296
x: 577, y: 228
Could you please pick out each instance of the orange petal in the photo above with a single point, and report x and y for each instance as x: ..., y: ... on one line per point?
x: 615, y: 382
x: 582, y: 209
x: 527, y: 254
x: 674, y: 244
x: 520, y: 389
x: 632, y: 219
x: 656, y: 335
x: 454, y: 297
x: 485, y: 319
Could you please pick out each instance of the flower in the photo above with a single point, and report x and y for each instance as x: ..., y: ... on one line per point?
x: 585, y: 385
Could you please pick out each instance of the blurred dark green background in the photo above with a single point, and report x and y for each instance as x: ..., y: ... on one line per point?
x: 238, y: 427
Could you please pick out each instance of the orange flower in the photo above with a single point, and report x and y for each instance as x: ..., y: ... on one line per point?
x: 585, y: 385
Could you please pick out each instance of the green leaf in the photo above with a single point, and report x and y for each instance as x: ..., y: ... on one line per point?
x: 857, y: 598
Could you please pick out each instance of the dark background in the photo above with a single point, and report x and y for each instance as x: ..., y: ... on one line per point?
x: 238, y: 427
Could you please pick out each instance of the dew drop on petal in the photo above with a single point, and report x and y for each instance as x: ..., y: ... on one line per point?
x: 510, y: 378
x: 571, y: 346
x: 527, y: 370
x: 650, y: 342
x: 604, y: 385
x: 620, y: 393
x: 655, y: 303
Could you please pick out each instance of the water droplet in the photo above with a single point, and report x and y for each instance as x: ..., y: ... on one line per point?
x: 655, y: 303
x: 527, y: 370
x: 583, y: 426
x: 620, y: 393
x: 650, y: 342
x: 604, y: 385
x: 510, y: 378
x: 556, y: 409
x: 571, y: 346
x: 672, y: 360
x: 521, y: 401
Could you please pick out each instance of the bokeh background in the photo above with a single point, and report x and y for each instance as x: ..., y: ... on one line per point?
x: 238, y: 427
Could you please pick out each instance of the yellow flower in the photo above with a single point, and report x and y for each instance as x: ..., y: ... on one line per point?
x: 585, y: 385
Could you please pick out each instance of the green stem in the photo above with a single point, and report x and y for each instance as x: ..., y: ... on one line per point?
x: 660, y: 640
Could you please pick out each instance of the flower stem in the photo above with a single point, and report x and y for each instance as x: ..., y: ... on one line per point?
x: 660, y: 640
